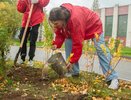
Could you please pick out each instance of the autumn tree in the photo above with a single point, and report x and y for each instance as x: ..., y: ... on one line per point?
x: 95, y: 5
x: 9, y: 24
x: 48, y: 33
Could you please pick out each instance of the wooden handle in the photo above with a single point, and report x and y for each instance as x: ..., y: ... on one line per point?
x: 26, y: 27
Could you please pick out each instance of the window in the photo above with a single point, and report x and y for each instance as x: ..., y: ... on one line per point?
x: 108, y: 25
x: 122, y: 25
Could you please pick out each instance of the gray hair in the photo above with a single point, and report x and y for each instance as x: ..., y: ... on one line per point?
x: 59, y: 13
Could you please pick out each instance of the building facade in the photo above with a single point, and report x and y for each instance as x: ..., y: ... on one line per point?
x: 117, y: 23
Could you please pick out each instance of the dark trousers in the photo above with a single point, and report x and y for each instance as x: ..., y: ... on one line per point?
x: 31, y: 34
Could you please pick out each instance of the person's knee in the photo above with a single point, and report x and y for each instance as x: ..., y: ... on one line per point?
x: 34, y: 36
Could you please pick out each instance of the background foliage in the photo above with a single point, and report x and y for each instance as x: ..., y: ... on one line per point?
x: 47, y: 33
x: 9, y: 24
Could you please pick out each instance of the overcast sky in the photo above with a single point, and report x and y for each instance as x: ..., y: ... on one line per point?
x: 87, y: 3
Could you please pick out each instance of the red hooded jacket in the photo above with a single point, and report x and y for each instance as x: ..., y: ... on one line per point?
x: 23, y: 6
x: 82, y: 25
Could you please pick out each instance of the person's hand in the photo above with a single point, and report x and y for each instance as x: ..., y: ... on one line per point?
x: 34, y: 1
x: 54, y: 47
x: 97, y: 37
x: 69, y: 66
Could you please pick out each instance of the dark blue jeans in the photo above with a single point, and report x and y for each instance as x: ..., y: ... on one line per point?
x: 31, y: 34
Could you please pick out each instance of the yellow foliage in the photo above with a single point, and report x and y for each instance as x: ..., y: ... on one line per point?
x: 67, y: 86
x: 2, y: 5
x: 103, y: 48
x: 108, y: 98
x: 96, y: 36
x: 90, y: 50
x: 111, y: 43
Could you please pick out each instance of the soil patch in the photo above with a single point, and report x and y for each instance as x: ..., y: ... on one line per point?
x: 29, y: 85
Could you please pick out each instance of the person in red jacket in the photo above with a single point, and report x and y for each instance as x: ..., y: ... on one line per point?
x: 23, y: 6
x: 74, y: 24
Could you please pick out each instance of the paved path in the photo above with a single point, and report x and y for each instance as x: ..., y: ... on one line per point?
x: 123, y: 68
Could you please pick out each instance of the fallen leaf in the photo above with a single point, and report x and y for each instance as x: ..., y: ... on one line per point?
x: 17, y: 89
x: 84, y: 92
x: 24, y: 95
x: 108, y: 98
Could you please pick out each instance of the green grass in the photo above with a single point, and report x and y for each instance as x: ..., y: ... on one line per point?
x: 17, y: 43
x: 126, y: 51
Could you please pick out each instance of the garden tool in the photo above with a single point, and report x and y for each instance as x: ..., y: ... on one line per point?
x: 24, y: 34
x: 67, y: 61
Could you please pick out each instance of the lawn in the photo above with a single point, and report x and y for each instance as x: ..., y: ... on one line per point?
x: 126, y: 51
x: 17, y: 43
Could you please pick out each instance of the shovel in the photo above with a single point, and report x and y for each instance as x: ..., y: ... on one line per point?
x: 24, y: 34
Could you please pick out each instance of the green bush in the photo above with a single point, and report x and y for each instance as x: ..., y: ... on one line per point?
x: 47, y: 33
x: 4, y: 47
x: 9, y: 23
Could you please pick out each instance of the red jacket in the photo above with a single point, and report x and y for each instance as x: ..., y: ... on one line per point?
x: 82, y: 25
x: 37, y: 16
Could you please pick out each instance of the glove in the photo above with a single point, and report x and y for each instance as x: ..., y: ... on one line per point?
x: 54, y: 47
x: 34, y: 1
